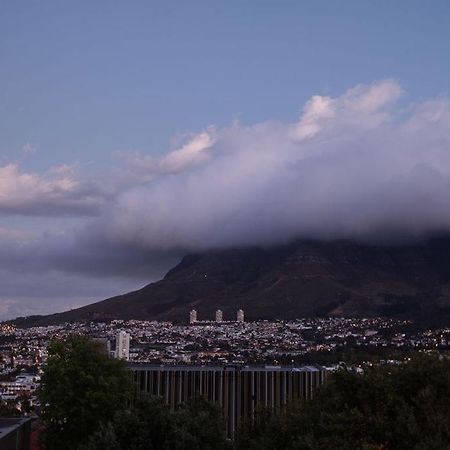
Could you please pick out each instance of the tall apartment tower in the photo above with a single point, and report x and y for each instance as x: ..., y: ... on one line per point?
x: 219, y: 315
x: 240, y: 315
x: 123, y: 345
x: 193, y: 316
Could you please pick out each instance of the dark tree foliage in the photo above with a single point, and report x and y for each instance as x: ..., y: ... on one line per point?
x: 85, y: 404
x: 8, y: 409
x: 151, y: 425
x: 390, y: 407
x: 81, y: 389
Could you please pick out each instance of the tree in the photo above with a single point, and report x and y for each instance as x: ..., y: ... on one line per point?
x: 390, y: 407
x: 199, y: 425
x: 9, y: 409
x: 81, y: 389
x: 151, y: 425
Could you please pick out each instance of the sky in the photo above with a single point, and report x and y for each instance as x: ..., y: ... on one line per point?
x: 132, y: 133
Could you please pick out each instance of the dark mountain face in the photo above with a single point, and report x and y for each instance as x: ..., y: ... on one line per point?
x: 303, y: 279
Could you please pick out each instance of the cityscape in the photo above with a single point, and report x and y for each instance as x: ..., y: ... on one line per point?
x: 325, y: 343
x: 225, y: 225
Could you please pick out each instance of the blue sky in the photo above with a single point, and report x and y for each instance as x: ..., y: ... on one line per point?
x: 82, y: 79
x: 114, y: 109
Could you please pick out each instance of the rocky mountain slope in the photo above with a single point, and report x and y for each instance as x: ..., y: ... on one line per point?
x: 303, y: 279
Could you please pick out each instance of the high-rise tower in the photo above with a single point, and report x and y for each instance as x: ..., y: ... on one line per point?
x: 193, y: 316
x: 122, y: 345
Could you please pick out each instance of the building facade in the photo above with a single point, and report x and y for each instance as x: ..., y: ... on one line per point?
x: 15, y: 433
x: 193, y: 316
x: 219, y: 315
x: 122, y: 345
x: 237, y: 390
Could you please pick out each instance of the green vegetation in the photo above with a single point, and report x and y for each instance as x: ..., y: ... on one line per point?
x: 87, y: 405
x: 81, y: 388
x: 390, y: 407
x: 151, y: 425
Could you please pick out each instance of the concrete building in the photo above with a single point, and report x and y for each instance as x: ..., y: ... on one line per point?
x: 15, y: 433
x: 193, y: 316
x: 23, y: 384
x: 237, y: 390
x: 240, y: 315
x: 219, y: 315
x: 122, y: 345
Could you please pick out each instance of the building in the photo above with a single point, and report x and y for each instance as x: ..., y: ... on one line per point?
x: 240, y: 315
x: 237, y: 390
x: 104, y: 344
x: 219, y: 315
x: 23, y: 384
x: 15, y: 433
x: 193, y: 316
x: 122, y: 345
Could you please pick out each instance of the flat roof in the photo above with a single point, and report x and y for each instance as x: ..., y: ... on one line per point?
x: 224, y: 368
x: 7, y: 424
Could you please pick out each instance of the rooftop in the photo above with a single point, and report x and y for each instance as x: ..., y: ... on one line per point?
x: 7, y: 425
x: 216, y: 368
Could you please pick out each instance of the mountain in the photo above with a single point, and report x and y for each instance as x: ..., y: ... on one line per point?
x: 302, y: 279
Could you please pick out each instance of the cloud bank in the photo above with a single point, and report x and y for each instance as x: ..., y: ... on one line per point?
x: 366, y: 165
x: 57, y: 192
x: 363, y: 165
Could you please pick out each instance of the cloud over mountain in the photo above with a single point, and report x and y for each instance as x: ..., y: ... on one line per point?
x: 365, y: 165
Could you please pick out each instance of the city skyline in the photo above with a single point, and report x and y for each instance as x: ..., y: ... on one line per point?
x: 224, y: 225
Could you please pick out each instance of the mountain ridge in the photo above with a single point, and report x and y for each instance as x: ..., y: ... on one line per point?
x: 306, y: 278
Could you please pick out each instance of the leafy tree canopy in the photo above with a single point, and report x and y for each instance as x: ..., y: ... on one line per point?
x: 389, y: 407
x: 151, y: 425
x: 85, y: 400
x: 81, y: 389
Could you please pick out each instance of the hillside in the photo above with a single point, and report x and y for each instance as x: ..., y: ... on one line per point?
x: 303, y: 279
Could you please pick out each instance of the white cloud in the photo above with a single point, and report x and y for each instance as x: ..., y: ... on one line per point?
x: 192, y: 153
x: 362, y: 165
x: 58, y: 192
x: 360, y: 109
x: 357, y: 165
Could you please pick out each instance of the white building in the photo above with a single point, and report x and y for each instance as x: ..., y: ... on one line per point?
x: 122, y: 345
x: 193, y: 316
x: 240, y: 315
x: 219, y: 315
x: 23, y: 384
